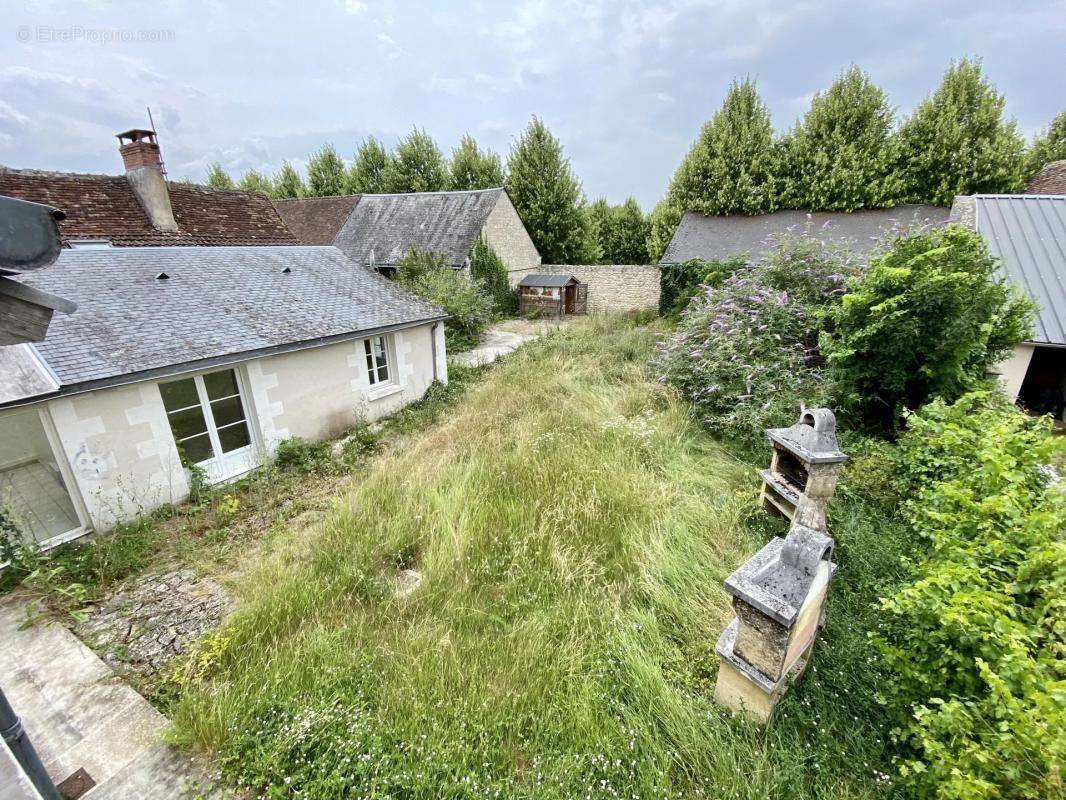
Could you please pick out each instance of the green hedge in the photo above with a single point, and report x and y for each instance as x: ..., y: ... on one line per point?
x: 679, y: 283
x: 976, y: 642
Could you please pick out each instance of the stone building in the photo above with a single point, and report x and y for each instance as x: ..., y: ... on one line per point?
x: 378, y: 230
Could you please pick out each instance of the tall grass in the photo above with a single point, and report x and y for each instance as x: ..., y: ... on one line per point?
x: 572, y: 526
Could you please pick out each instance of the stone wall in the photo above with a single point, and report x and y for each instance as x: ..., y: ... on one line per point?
x: 508, y: 237
x: 612, y: 287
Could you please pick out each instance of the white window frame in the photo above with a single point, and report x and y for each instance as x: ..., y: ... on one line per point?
x: 373, y: 372
x: 218, y: 458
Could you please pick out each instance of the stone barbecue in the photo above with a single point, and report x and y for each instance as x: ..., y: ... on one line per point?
x: 806, y: 460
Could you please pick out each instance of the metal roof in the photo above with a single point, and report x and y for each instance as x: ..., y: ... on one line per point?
x: 1028, y: 233
x: 213, y: 302
x: 546, y: 280
x: 721, y: 237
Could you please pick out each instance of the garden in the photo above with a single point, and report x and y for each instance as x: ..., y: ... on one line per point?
x: 514, y: 588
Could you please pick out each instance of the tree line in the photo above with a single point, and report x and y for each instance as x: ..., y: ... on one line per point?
x: 848, y: 152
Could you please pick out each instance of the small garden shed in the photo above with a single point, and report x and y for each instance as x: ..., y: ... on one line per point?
x: 552, y: 296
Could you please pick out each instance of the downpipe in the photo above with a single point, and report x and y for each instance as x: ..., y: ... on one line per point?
x: 15, y: 737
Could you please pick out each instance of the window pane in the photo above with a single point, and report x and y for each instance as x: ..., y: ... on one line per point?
x: 220, y: 384
x: 383, y: 372
x: 195, y: 450
x: 227, y: 411
x: 179, y: 394
x: 189, y: 422
x: 234, y: 437
x: 379, y: 349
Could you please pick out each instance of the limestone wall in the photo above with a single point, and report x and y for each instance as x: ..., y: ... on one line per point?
x: 508, y: 237
x: 612, y: 287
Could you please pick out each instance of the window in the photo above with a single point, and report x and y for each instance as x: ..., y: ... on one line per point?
x: 377, y: 360
x: 207, y: 416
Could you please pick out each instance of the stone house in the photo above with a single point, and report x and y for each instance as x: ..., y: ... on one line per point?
x: 377, y: 230
x: 195, y: 356
x: 1027, y: 233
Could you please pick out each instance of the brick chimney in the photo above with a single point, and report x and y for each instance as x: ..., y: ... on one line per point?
x: 144, y: 171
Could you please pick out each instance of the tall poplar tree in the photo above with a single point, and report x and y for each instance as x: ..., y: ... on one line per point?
x: 218, y: 178
x: 473, y: 168
x: 622, y: 232
x: 326, y: 175
x: 1048, y: 146
x: 958, y: 142
x: 549, y: 199
x: 842, y: 155
x: 255, y: 181
x: 367, y: 175
x: 417, y: 165
x: 287, y: 183
x: 729, y: 170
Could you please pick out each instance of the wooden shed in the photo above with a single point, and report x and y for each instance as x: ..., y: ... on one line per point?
x: 552, y: 296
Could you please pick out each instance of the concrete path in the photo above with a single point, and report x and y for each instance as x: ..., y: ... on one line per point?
x: 503, y: 338
x: 79, y: 714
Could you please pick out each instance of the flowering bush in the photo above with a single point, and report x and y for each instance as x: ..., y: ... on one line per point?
x: 744, y: 352
x: 975, y: 641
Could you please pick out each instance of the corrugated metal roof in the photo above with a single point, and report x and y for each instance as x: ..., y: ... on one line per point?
x: 1028, y: 233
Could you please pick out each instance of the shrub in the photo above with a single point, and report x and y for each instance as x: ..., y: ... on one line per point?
x: 744, y: 352
x: 975, y: 641
x: 487, y: 268
x: 679, y: 283
x: 300, y: 455
x: 466, y: 301
x: 927, y: 319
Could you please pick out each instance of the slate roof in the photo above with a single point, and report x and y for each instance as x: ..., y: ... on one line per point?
x: 1028, y: 233
x: 316, y: 220
x: 105, y: 207
x: 546, y: 280
x: 720, y: 237
x: 217, y: 302
x: 383, y: 227
x: 1051, y: 179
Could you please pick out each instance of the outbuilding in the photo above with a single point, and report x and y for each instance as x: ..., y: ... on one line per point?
x: 551, y: 296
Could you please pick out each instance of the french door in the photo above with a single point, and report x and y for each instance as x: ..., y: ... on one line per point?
x: 209, y: 418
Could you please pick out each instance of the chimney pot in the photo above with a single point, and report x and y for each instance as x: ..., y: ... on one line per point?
x: 144, y: 171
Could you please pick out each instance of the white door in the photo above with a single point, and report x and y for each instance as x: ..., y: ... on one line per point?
x: 209, y: 418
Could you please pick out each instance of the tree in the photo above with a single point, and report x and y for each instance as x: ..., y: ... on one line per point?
x: 467, y: 304
x: 255, y: 181
x: 288, y: 183
x: 1048, y: 146
x: 926, y: 319
x: 957, y: 141
x: 326, y: 176
x: 472, y: 168
x: 622, y: 232
x: 367, y: 173
x: 729, y: 170
x: 416, y: 166
x: 549, y: 199
x: 842, y: 156
x: 218, y: 178
x: 488, y: 269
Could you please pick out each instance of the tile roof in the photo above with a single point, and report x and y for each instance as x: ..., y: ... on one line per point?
x: 720, y: 237
x: 546, y: 280
x: 316, y: 220
x: 383, y: 227
x: 1051, y: 179
x: 1028, y: 232
x: 215, y: 302
x: 105, y: 207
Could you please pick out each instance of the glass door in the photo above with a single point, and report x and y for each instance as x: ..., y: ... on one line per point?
x: 208, y: 417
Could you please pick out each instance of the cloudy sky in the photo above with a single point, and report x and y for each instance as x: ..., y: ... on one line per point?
x: 624, y: 84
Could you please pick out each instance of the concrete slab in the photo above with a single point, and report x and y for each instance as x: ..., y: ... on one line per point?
x: 494, y: 342
x: 79, y: 714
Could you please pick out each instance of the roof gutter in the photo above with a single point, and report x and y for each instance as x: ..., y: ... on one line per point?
x: 229, y: 359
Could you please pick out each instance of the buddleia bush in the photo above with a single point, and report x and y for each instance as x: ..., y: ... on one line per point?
x: 745, y: 351
x: 976, y: 641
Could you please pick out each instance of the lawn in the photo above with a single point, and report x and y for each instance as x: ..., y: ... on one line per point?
x: 572, y: 525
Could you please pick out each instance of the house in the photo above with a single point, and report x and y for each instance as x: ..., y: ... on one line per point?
x: 378, y: 230
x: 143, y: 209
x: 1027, y: 233
x: 1051, y: 179
x: 190, y: 356
x: 551, y: 295
x: 707, y: 238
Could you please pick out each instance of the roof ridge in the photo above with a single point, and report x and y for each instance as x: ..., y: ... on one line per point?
x: 417, y: 194
x: 52, y: 173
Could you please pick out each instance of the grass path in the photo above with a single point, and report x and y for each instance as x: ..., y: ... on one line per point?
x: 572, y: 526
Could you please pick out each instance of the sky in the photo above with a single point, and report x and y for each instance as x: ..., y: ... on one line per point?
x: 624, y: 85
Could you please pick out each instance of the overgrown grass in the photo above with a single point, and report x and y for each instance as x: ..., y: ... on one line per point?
x: 572, y: 526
